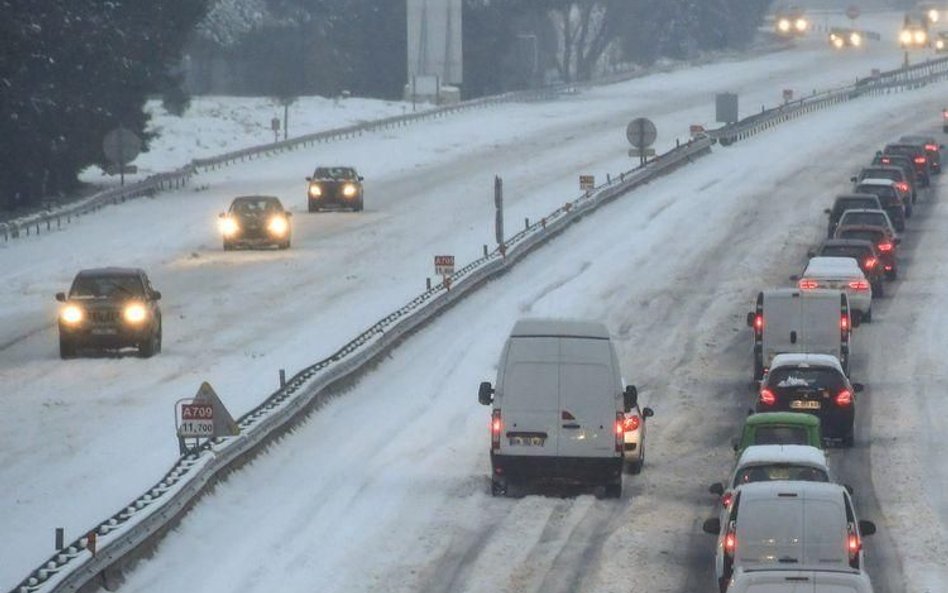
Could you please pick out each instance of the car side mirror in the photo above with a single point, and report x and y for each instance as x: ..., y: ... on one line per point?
x: 941, y: 147
x: 811, y: 253
x: 794, y: 277
x: 713, y: 526
x: 858, y: 387
x: 897, y: 240
x: 156, y: 294
x: 717, y: 488
x: 827, y: 211
x: 751, y: 316
x: 309, y: 179
x: 61, y: 297
x: 630, y: 397
x: 853, y: 179
x: 735, y: 445
x: 222, y: 215
x: 866, y: 527
x: 361, y: 178
x: 750, y: 411
x: 647, y: 412
x: 849, y: 489
x: 485, y: 394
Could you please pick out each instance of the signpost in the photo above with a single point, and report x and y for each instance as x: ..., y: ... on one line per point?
x: 197, y: 420
x: 202, y: 417
x: 696, y: 130
x: 587, y: 182
x: 444, y: 265
x: 852, y: 11
x: 641, y: 134
x: 787, y: 95
x: 121, y: 146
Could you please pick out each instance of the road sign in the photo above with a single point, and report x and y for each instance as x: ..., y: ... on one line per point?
x: 121, y: 146
x: 587, y: 182
x: 696, y: 130
x: 852, y: 12
x: 444, y: 265
x: 197, y: 420
x: 641, y: 132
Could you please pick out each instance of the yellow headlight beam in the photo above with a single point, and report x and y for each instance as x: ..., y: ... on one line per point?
x: 71, y: 314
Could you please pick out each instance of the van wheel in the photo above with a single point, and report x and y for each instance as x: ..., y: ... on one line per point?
x: 758, y: 369
x: 878, y: 290
x: 613, y: 490
x: 867, y: 316
x: 635, y: 468
x: 849, y: 439
x: 67, y: 348
x: 497, y: 488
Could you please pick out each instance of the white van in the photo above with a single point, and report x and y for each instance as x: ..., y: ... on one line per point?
x: 817, y: 321
x: 772, y: 525
x: 794, y: 580
x: 558, y: 407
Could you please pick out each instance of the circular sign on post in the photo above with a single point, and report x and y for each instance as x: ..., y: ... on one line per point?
x: 641, y: 132
x: 121, y: 146
x: 852, y: 12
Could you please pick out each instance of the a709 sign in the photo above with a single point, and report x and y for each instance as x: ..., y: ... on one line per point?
x: 197, y: 420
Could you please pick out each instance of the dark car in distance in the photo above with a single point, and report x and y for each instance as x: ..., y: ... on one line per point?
x: 861, y: 250
x: 846, y: 202
x: 932, y: 149
x: 896, y: 203
x: 918, y: 157
x: 256, y: 221
x: 110, y: 309
x: 886, y: 245
x: 334, y: 187
x: 905, y: 162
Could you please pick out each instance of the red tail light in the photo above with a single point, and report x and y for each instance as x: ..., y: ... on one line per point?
x: 902, y: 186
x: 871, y: 262
x: 920, y: 160
x: 931, y: 147
x: 730, y: 543
x: 853, y: 546
x: 859, y: 285
x: 844, y: 323
x: 620, y: 431
x: 808, y: 284
x: 759, y: 323
x: 496, y: 427
x: 886, y: 161
x: 885, y: 247
x: 844, y: 398
x: 767, y: 397
x: 726, y: 499
x: 631, y: 423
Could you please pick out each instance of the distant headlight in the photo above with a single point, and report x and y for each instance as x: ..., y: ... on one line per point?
x: 836, y: 41
x: 228, y: 226
x: 135, y: 313
x: 349, y: 190
x: 940, y: 44
x: 278, y: 226
x: 801, y: 25
x: 315, y: 191
x: 921, y: 37
x: 905, y: 37
x: 71, y: 315
x: 855, y: 39
x: 783, y: 25
x: 933, y: 15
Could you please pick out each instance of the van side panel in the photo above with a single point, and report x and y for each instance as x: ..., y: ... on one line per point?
x: 589, y: 390
x: 527, y: 395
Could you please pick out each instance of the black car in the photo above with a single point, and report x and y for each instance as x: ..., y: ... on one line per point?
x: 848, y: 202
x: 813, y: 384
x: 897, y: 204
x: 886, y: 245
x: 334, y: 187
x: 256, y: 221
x: 861, y: 250
x: 905, y: 163
x: 110, y: 308
x: 918, y: 157
x: 932, y: 149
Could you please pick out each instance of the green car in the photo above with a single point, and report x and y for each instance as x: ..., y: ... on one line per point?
x: 780, y: 428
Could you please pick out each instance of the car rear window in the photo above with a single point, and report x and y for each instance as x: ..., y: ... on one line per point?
x: 779, y: 471
x: 873, y: 218
x: 780, y: 435
x: 867, y: 234
x: 883, y: 192
x: 893, y: 174
x: 794, y: 380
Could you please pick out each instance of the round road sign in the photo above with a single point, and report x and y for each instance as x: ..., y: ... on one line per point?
x: 852, y: 11
x: 641, y: 132
x: 121, y: 146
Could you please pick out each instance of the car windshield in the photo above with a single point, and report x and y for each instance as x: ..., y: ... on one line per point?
x: 255, y: 206
x: 780, y: 435
x: 118, y: 286
x: 787, y: 380
x: 873, y: 218
x: 335, y: 173
x: 768, y: 472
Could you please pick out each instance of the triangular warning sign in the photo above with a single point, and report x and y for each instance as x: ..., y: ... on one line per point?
x: 224, y: 424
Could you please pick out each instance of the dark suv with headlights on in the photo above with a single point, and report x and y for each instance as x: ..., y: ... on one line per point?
x: 110, y: 308
x: 334, y: 187
x: 255, y: 221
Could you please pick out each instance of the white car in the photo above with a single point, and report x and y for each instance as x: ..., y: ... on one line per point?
x: 778, y: 525
x: 634, y: 446
x: 840, y: 273
x: 868, y: 216
x: 765, y: 463
x: 799, y: 579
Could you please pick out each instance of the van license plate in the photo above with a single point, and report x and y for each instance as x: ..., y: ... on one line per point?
x: 526, y: 441
x: 805, y: 404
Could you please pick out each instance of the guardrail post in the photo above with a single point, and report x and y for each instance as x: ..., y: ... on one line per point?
x: 282, y: 378
x: 428, y: 283
x: 60, y: 536
x: 485, y: 250
x: 526, y: 223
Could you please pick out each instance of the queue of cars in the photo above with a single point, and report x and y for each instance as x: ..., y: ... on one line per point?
x: 112, y: 308
x: 784, y: 524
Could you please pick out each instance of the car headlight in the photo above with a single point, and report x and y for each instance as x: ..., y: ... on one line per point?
x: 135, y: 313
x: 349, y: 190
x: 836, y: 41
x: 801, y: 25
x: 783, y: 25
x: 933, y: 15
x: 921, y: 37
x: 278, y: 226
x: 315, y: 191
x: 905, y: 37
x: 940, y: 44
x: 71, y: 314
x: 228, y: 226
x: 855, y: 39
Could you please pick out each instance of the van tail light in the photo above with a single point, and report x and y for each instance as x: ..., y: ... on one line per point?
x: 844, y: 398
x: 871, y: 262
x: 859, y: 285
x: 730, y: 542
x: 920, y: 160
x: 767, y: 397
x: 496, y: 427
x: 902, y: 186
x: 844, y: 323
x: 620, y: 431
x: 808, y: 284
x: 759, y: 323
x: 886, y: 161
x: 631, y: 423
x: 726, y: 499
x: 885, y: 247
x: 853, y: 546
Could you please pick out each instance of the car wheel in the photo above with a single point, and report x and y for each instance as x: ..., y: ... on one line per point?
x: 357, y: 207
x: 67, y: 348
x: 908, y: 210
x: 160, y: 333
x: 497, y: 488
x: 891, y: 274
x: 228, y: 246
x: 284, y: 245
x: 867, y: 316
x: 849, y: 439
x: 635, y: 468
x: 313, y: 207
x: 722, y: 584
x: 150, y: 347
x: 878, y: 289
x: 613, y: 489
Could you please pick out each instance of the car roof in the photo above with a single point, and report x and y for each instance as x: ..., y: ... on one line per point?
x: 803, y: 454
x: 111, y: 271
x: 255, y: 198
x: 801, y: 359
x: 543, y: 327
x: 797, y: 418
x: 876, y: 181
x: 802, y: 489
x: 832, y: 264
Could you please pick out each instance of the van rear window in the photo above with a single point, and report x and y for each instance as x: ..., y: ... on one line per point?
x: 780, y: 435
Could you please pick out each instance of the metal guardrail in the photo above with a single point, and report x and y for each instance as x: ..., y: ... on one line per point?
x: 122, y: 538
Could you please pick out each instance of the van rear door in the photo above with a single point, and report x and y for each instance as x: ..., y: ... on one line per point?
x: 529, y: 397
x: 821, y: 316
x: 839, y: 582
x: 770, y: 532
x: 589, y: 393
x: 824, y: 534
x: 782, y: 331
